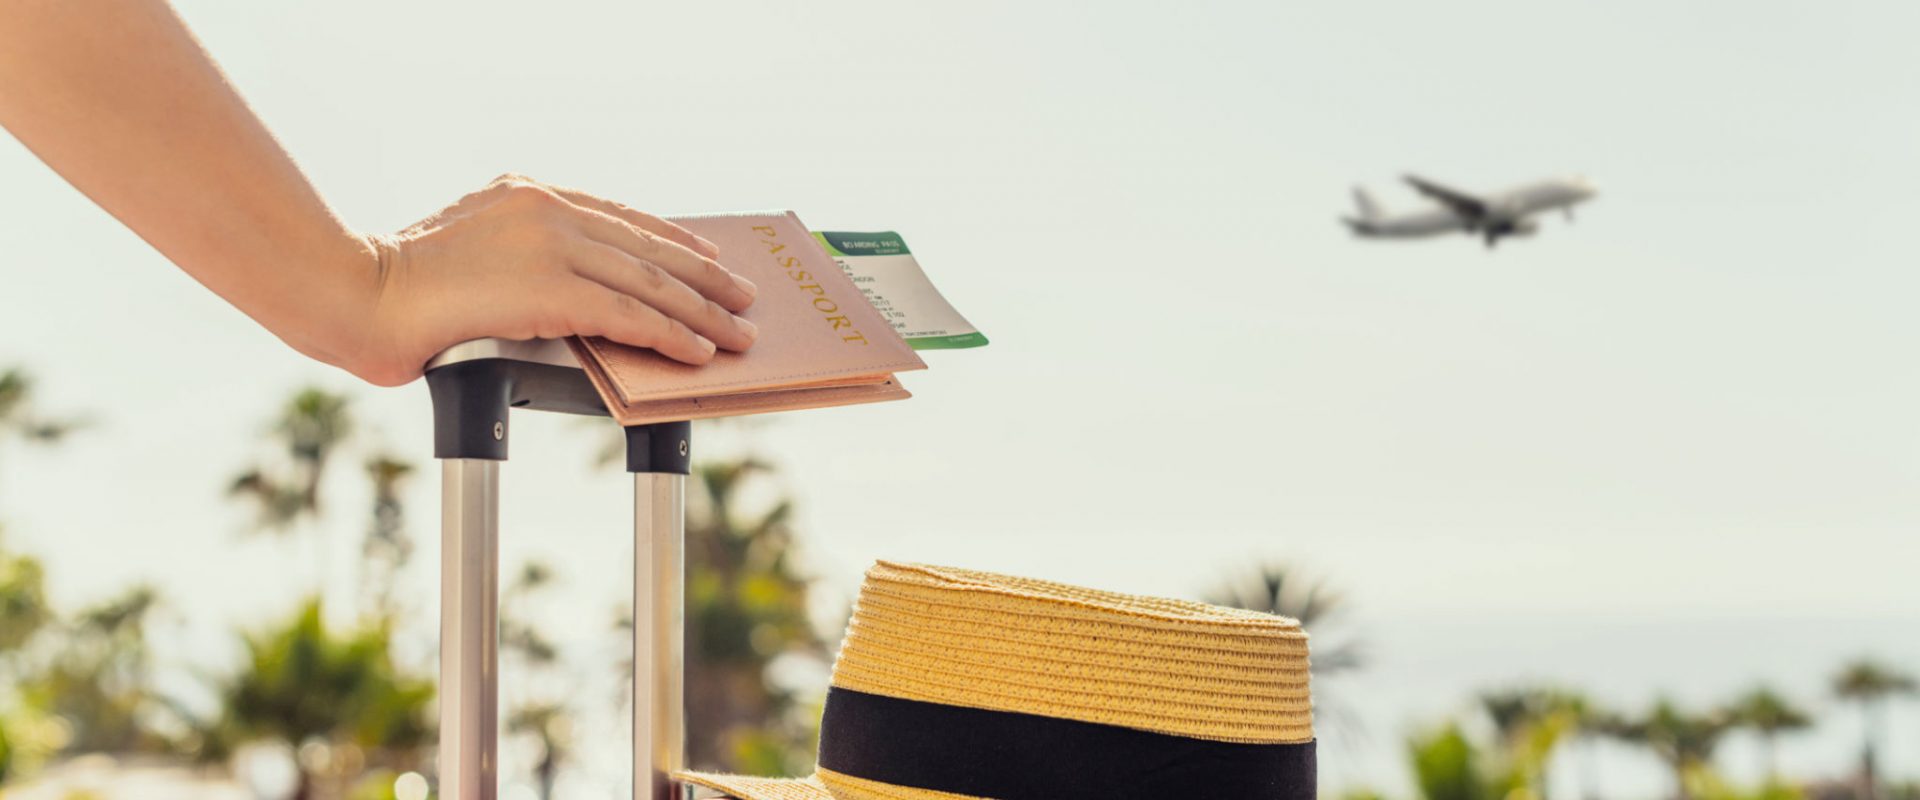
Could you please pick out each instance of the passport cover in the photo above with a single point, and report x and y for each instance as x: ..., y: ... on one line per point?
x: 821, y: 343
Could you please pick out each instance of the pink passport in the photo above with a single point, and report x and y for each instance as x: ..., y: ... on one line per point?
x: 821, y: 343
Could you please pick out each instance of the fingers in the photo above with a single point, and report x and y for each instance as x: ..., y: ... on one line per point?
x: 647, y: 282
x: 703, y: 274
x: 640, y: 219
x: 635, y: 217
x: 600, y: 311
x: 654, y: 286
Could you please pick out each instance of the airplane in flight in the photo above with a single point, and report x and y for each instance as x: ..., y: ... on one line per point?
x: 1507, y: 213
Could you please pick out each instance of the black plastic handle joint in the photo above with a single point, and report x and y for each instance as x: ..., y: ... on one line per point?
x: 471, y: 400
x: 663, y: 447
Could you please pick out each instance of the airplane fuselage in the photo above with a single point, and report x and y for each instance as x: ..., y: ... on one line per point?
x: 1506, y: 213
x: 1411, y: 225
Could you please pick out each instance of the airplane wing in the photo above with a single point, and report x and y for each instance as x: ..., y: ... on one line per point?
x: 1466, y: 205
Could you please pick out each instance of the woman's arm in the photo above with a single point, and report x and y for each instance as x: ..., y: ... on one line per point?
x: 120, y: 99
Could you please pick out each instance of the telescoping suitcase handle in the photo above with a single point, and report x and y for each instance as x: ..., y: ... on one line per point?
x: 474, y: 385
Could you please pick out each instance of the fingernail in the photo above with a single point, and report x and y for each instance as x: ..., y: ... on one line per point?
x: 712, y: 249
x: 705, y: 344
x: 745, y: 286
x: 747, y: 327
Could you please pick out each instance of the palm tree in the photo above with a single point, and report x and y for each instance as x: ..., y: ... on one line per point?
x: 1278, y: 588
x: 1684, y: 740
x: 1447, y: 766
x: 304, y: 684
x: 548, y: 722
x: 23, y: 602
x: 24, y: 612
x: 1589, y: 721
x: 746, y: 607
x: 1530, y: 721
x: 1768, y: 714
x: 1514, y: 711
x: 550, y: 725
x: 19, y: 418
x: 6, y: 753
x: 1870, y: 684
x: 310, y: 427
x: 100, y: 680
x: 387, y: 548
x: 285, y: 490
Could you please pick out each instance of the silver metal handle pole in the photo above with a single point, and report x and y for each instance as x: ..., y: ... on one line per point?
x: 659, y: 702
x: 469, y: 628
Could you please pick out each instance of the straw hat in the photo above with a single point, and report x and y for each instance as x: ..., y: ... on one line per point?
x: 954, y: 684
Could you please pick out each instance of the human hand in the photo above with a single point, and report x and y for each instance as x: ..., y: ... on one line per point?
x: 521, y: 259
x: 121, y: 100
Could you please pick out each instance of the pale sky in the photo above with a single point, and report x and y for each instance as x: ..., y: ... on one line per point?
x: 1668, y: 447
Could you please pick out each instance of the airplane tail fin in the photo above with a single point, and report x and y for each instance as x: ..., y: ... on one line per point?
x: 1369, y: 210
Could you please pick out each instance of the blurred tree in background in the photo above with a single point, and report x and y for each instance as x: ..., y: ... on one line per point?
x: 1870, y: 684
x: 27, y: 732
x: 23, y: 605
x: 544, y: 719
x: 19, y: 416
x: 23, y: 613
x: 1682, y: 739
x: 1530, y: 722
x: 336, y: 699
x: 1767, y: 714
x: 99, y: 680
x: 387, y: 548
x: 355, y: 717
x: 23, y: 602
x: 747, y: 605
x: 1448, y: 766
x: 307, y: 431
x: 746, y: 609
x: 1591, y: 722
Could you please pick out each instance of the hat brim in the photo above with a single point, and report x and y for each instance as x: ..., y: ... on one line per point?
x: 812, y: 787
x: 748, y: 787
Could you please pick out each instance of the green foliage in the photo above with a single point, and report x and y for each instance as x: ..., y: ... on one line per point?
x: 1530, y: 722
x: 6, y: 752
x: 547, y: 722
x: 99, y: 680
x: 23, y: 603
x: 1684, y: 739
x: 377, y: 784
x: 1447, y: 766
x: 301, y: 682
x: 1708, y: 786
x: 747, y: 605
x: 308, y: 429
x: 1680, y: 736
x: 1766, y: 713
x: 387, y: 548
x: 1866, y: 680
x: 19, y: 417
x: 1870, y: 684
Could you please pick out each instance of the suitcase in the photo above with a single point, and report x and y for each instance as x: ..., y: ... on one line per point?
x: 474, y: 384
